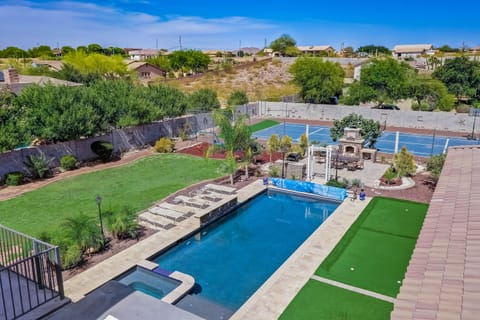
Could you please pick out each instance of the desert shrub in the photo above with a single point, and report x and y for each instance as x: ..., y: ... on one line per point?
x: 357, y: 183
x: 38, y: 165
x: 404, y: 163
x: 164, y: 145
x: 68, y: 162
x: 435, y: 165
x: 390, y: 175
x: 103, y: 149
x: 462, y: 108
x: 71, y: 256
x: 122, y: 224
x: 274, y: 172
x: 336, y: 183
x: 14, y: 178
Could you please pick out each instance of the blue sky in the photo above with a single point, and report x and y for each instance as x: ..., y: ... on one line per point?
x: 229, y: 24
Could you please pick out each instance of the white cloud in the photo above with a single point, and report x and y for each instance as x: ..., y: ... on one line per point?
x: 26, y: 24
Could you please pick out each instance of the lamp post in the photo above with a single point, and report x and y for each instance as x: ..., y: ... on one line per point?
x: 98, y: 199
x: 284, y: 150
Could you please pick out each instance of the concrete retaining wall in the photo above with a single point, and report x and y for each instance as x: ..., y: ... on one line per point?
x: 122, y: 139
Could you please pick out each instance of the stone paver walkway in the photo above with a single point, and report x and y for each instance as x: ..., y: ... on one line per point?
x: 354, y: 289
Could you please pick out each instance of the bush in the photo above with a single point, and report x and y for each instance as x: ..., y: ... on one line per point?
x: 336, y: 183
x: 103, y: 149
x: 122, y: 224
x: 404, y: 163
x: 39, y: 166
x: 462, y: 108
x: 71, y: 256
x: 274, y: 172
x: 435, y: 165
x: 390, y: 175
x: 68, y: 162
x: 14, y: 178
x: 164, y: 145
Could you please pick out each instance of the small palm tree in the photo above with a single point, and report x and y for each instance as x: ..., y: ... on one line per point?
x: 122, y: 224
x: 82, y: 230
x: 229, y: 166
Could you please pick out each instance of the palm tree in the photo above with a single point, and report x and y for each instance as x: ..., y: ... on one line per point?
x: 235, y: 131
x: 82, y: 230
x: 229, y: 166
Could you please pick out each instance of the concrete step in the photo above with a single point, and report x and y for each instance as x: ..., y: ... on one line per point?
x: 167, y: 213
x: 156, y: 221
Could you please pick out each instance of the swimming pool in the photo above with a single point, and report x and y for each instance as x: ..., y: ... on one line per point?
x: 148, y: 282
x: 231, y: 259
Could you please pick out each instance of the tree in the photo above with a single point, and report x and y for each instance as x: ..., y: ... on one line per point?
x: 461, y: 76
x: 383, y: 80
x: 247, y: 157
x: 282, y: 43
x: 193, y: 60
x: 229, y: 166
x: 203, y: 100
x: 304, y: 143
x: 13, y: 52
x: 236, y: 133
x: 237, y: 98
x: 319, y: 81
x: 404, y: 163
x: 67, y: 50
x: 44, y: 52
x: 369, y: 129
x: 108, y: 67
x: 374, y: 50
x: 435, y: 165
x: 431, y: 94
x: 273, y: 145
x: 447, y: 48
x: 82, y: 230
x: 95, y: 48
x: 348, y: 52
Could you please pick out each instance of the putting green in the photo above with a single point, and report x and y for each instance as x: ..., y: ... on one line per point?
x: 375, y: 251
x: 318, y: 300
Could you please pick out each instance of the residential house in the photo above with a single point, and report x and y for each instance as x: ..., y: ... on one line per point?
x: 145, y: 70
x: 474, y: 50
x: 15, y: 82
x: 317, y: 50
x: 412, y: 50
x: 143, y: 54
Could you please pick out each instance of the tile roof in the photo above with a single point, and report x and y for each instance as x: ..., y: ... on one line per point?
x: 314, y: 48
x: 409, y: 48
x: 443, y: 277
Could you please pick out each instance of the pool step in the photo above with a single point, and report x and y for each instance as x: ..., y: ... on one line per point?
x: 153, y: 221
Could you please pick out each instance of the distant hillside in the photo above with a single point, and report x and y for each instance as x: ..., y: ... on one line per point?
x: 265, y: 80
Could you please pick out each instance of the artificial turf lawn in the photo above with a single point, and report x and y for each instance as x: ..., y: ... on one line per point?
x: 263, y: 125
x: 375, y: 251
x: 318, y: 300
x: 136, y: 185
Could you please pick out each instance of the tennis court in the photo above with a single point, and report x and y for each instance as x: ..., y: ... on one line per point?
x: 419, y: 145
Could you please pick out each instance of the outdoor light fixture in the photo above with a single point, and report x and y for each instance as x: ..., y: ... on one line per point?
x: 98, y: 199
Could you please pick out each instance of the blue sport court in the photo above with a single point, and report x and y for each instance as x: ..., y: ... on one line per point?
x: 417, y: 144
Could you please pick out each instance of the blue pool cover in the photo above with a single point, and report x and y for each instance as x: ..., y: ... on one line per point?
x: 328, y: 192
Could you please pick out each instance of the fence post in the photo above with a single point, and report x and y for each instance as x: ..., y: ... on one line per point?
x: 37, y: 267
x: 58, y: 270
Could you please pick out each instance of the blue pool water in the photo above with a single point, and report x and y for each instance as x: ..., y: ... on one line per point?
x: 231, y: 259
x: 148, y: 282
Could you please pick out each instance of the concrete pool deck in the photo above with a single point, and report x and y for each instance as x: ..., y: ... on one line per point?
x: 272, y: 297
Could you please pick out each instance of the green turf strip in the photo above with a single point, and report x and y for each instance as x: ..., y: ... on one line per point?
x: 318, y: 300
x: 263, y: 125
x: 137, y: 185
x: 375, y: 251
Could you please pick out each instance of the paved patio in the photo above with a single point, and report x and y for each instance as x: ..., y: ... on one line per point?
x: 443, y: 278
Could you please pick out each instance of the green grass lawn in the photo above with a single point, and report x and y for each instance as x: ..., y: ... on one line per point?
x: 263, y: 125
x: 136, y: 185
x: 375, y: 251
x: 318, y: 301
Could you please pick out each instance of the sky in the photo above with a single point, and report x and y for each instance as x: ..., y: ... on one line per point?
x: 229, y: 25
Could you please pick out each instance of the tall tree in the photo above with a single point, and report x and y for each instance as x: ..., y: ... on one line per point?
x: 203, y: 100
x: 282, y: 43
x: 383, y: 80
x: 369, y: 129
x: 431, y: 94
x: 461, y: 76
x: 318, y: 80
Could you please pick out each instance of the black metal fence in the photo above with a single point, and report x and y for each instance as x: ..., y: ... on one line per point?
x: 30, y: 273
